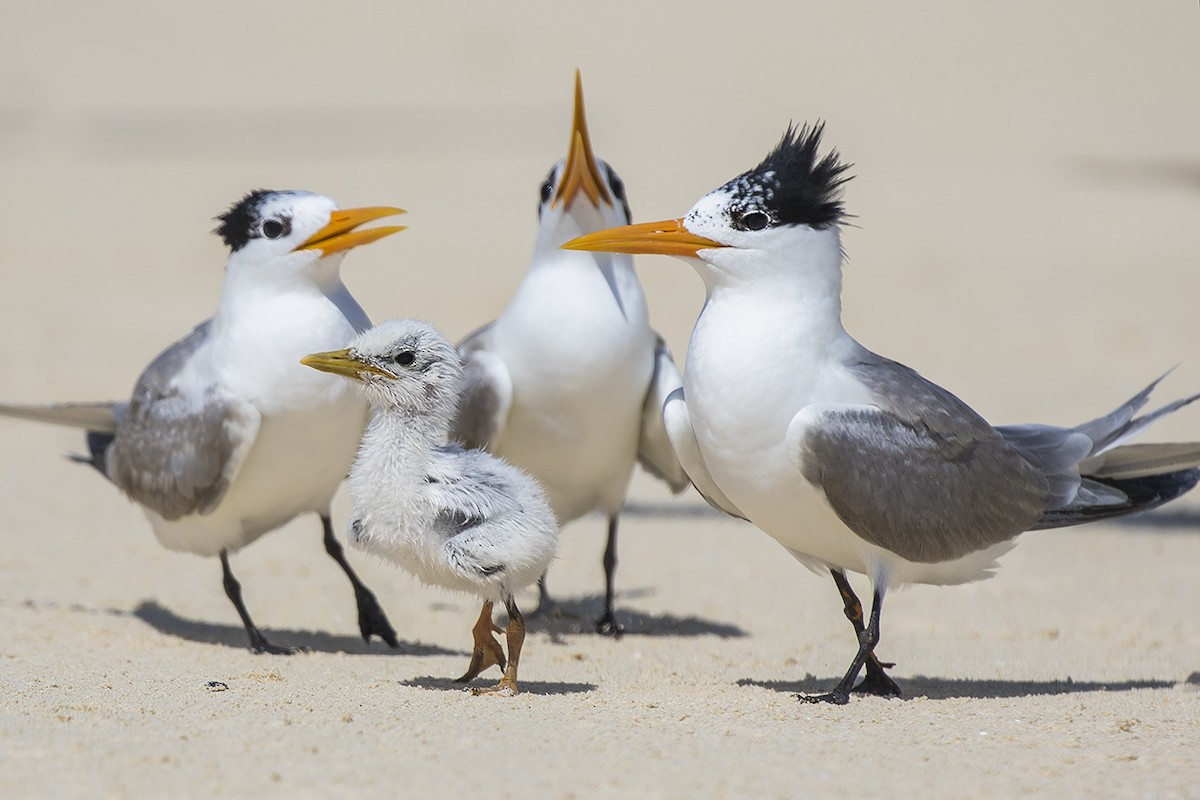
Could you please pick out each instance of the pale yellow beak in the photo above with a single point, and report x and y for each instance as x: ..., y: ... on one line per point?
x: 668, y: 238
x: 339, y: 235
x: 342, y: 362
x: 582, y: 173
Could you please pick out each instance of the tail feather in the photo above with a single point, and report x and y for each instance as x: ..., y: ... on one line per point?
x: 1103, y: 430
x: 1142, y: 460
x: 98, y: 417
x: 98, y: 444
x: 1120, y: 424
x: 1141, y: 493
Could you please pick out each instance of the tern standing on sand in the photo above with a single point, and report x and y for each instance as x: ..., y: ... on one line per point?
x: 569, y: 382
x: 226, y: 436
x: 460, y: 519
x: 779, y: 398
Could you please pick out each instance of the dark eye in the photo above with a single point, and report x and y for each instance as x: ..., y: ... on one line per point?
x: 547, y: 190
x: 406, y: 358
x: 618, y: 185
x: 754, y: 220
x: 275, y: 228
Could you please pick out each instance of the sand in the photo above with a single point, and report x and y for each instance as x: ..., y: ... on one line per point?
x: 1027, y: 204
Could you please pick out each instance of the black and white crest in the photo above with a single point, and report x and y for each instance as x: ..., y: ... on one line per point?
x: 793, y: 185
x: 241, y: 222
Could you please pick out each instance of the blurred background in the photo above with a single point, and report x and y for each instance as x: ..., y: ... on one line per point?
x: 1027, y: 198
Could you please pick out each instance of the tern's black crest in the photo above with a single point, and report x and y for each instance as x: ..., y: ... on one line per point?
x: 793, y: 185
x: 241, y: 222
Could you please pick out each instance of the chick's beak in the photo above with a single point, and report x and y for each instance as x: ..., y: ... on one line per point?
x: 342, y: 362
x: 340, y: 234
x: 668, y: 237
x: 582, y: 173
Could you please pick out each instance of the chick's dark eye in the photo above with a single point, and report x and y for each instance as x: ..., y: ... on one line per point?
x: 547, y: 191
x: 275, y: 228
x: 754, y: 220
x: 405, y: 359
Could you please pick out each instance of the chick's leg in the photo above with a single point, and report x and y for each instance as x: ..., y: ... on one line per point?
x: 487, y: 650
x: 507, y: 687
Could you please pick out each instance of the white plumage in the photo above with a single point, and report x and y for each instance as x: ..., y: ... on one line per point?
x: 460, y: 519
x: 226, y: 437
x: 568, y: 383
x: 779, y: 400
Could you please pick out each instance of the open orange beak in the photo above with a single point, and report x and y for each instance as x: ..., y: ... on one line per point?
x: 582, y: 173
x: 340, y: 233
x: 668, y: 238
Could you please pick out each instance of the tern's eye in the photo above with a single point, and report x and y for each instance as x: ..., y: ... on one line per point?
x: 547, y: 190
x: 754, y: 220
x: 405, y: 358
x: 618, y: 185
x: 275, y: 228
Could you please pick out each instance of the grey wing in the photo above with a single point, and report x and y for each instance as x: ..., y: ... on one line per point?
x: 486, y: 396
x: 178, y: 448
x: 470, y: 489
x: 477, y: 499
x: 919, y: 473
x: 655, y: 452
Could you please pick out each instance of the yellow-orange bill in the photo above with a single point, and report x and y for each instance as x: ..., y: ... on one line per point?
x: 668, y: 238
x: 341, y: 362
x: 582, y: 173
x: 339, y: 233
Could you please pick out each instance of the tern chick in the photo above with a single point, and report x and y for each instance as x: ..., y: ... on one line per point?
x: 225, y: 437
x: 461, y: 519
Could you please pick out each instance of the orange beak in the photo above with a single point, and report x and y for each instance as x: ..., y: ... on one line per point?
x: 339, y: 234
x: 582, y: 173
x: 668, y: 238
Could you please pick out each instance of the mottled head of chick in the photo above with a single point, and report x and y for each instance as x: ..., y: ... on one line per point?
x: 402, y: 365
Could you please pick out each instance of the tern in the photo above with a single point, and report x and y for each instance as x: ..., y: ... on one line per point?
x: 226, y: 436
x: 778, y: 399
x: 461, y: 519
x: 568, y: 383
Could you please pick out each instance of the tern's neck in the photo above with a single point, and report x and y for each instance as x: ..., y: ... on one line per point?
x: 410, y: 427
x: 802, y: 280
x: 403, y: 439
x: 250, y: 287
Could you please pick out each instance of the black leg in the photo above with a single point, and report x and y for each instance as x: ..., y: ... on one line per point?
x: 867, y: 640
x: 233, y: 590
x: 371, y: 619
x: 548, y: 607
x: 607, y: 624
x: 876, y: 682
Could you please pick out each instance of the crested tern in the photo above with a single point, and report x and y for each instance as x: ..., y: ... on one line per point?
x: 226, y: 437
x: 568, y: 382
x: 778, y: 398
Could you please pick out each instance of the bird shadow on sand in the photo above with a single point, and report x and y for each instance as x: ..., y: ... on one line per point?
x: 527, y: 687
x: 577, y: 617
x: 950, y: 688
x: 168, y: 622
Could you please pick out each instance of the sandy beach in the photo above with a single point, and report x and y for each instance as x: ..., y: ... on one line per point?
x: 1026, y: 233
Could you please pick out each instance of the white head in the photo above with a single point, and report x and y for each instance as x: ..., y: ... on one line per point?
x: 281, y: 235
x: 402, y: 365
x: 581, y: 193
x: 776, y: 223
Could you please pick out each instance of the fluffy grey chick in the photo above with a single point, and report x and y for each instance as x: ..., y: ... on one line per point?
x: 461, y: 519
